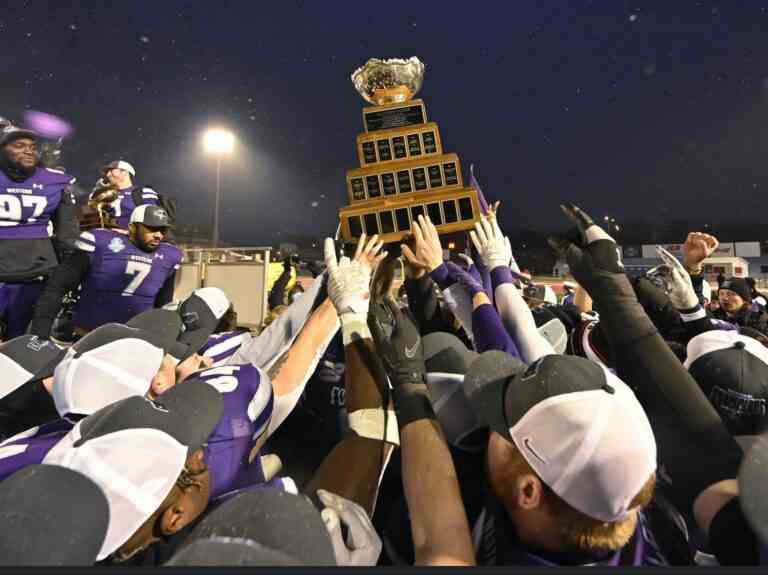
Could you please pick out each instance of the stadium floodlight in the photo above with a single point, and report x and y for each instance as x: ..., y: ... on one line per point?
x: 218, y: 143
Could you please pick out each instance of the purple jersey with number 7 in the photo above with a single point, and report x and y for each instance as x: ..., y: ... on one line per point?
x: 122, y: 279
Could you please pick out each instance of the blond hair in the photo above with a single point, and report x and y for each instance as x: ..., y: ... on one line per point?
x: 578, y: 532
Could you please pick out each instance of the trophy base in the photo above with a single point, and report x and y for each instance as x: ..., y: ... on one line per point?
x: 391, y: 218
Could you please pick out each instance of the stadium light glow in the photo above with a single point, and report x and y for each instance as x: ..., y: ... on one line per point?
x: 218, y: 142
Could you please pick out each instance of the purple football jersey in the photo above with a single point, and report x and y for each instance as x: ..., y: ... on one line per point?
x: 248, y: 402
x: 26, y: 207
x: 221, y: 346
x: 123, y: 205
x: 122, y: 280
x: 31, y: 446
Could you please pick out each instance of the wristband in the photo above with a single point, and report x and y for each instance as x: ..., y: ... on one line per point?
x: 412, y: 403
x: 354, y: 327
x: 502, y: 275
x: 441, y: 276
x: 376, y: 423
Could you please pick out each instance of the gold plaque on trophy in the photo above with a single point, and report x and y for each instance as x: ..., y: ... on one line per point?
x: 403, y: 169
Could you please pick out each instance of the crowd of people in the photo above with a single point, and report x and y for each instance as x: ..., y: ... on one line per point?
x: 465, y: 417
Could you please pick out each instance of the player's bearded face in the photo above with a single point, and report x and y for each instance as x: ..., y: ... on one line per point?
x: 22, y: 153
x: 148, y: 239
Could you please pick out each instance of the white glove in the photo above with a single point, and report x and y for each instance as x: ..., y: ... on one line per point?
x: 348, y: 283
x: 490, y: 244
x: 363, y: 545
x: 679, y: 286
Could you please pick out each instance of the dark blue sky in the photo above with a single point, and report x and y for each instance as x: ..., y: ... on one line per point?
x: 637, y: 109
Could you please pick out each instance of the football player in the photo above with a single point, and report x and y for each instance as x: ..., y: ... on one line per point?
x: 38, y: 225
x: 121, y: 275
x: 119, y: 176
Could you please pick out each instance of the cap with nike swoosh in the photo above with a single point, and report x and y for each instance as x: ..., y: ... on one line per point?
x: 579, y: 427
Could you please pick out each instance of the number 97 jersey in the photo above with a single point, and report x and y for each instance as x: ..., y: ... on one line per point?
x: 122, y: 280
x: 26, y: 207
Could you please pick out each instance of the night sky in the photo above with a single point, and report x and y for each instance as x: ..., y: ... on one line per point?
x: 649, y: 110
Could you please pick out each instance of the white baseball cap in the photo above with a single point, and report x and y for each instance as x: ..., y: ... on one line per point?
x: 135, y: 449
x: 579, y: 427
x: 120, y: 165
x: 109, y: 364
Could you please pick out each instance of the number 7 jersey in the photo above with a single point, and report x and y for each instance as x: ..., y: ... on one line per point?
x: 122, y: 279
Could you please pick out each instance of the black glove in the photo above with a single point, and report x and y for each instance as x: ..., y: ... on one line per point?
x: 400, y: 348
x: 587, y: 248
x: 595, y: 262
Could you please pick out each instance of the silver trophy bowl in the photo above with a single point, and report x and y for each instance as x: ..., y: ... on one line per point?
x: 382, y: 82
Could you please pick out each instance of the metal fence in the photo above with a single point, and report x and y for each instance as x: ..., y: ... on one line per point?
x: 242, y: 272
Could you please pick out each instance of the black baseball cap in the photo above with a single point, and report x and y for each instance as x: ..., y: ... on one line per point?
x: 51, y: 516
x: 164, y: 327
x: 732, y: 371
x: 151, y: 216
x: 26, y: 358
x: 189, y: 413
x: 10, y: 133
x: 446, y: 353
x: 264, y: 527
x: 739, y: 286
x: 448, y: 359
x: 200, y: 314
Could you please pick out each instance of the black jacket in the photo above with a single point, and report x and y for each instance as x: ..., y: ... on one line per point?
x: 750, y: 316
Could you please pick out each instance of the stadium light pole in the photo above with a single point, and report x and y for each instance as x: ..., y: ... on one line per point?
x: 218, y: 143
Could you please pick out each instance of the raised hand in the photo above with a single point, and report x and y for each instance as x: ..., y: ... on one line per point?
x: 677, y: 280
x: 427, y: 253
x: 398, y: 342
x: 490, y: 243
x: 349, y: 284
x: 698, y: 246
x: 363, y: 545
x: 587, y: 246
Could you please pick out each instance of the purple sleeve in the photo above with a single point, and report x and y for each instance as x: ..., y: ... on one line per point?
x: 485, y: 276
x: 489, y: 333
x: 501, y: 275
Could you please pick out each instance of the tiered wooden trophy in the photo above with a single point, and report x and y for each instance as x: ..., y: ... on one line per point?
x: 403, y: 170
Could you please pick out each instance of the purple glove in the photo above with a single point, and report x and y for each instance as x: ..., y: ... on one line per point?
x: 471, y: 283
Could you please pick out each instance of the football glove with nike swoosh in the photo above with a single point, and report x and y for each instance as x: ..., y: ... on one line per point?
x: 400, y: 347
